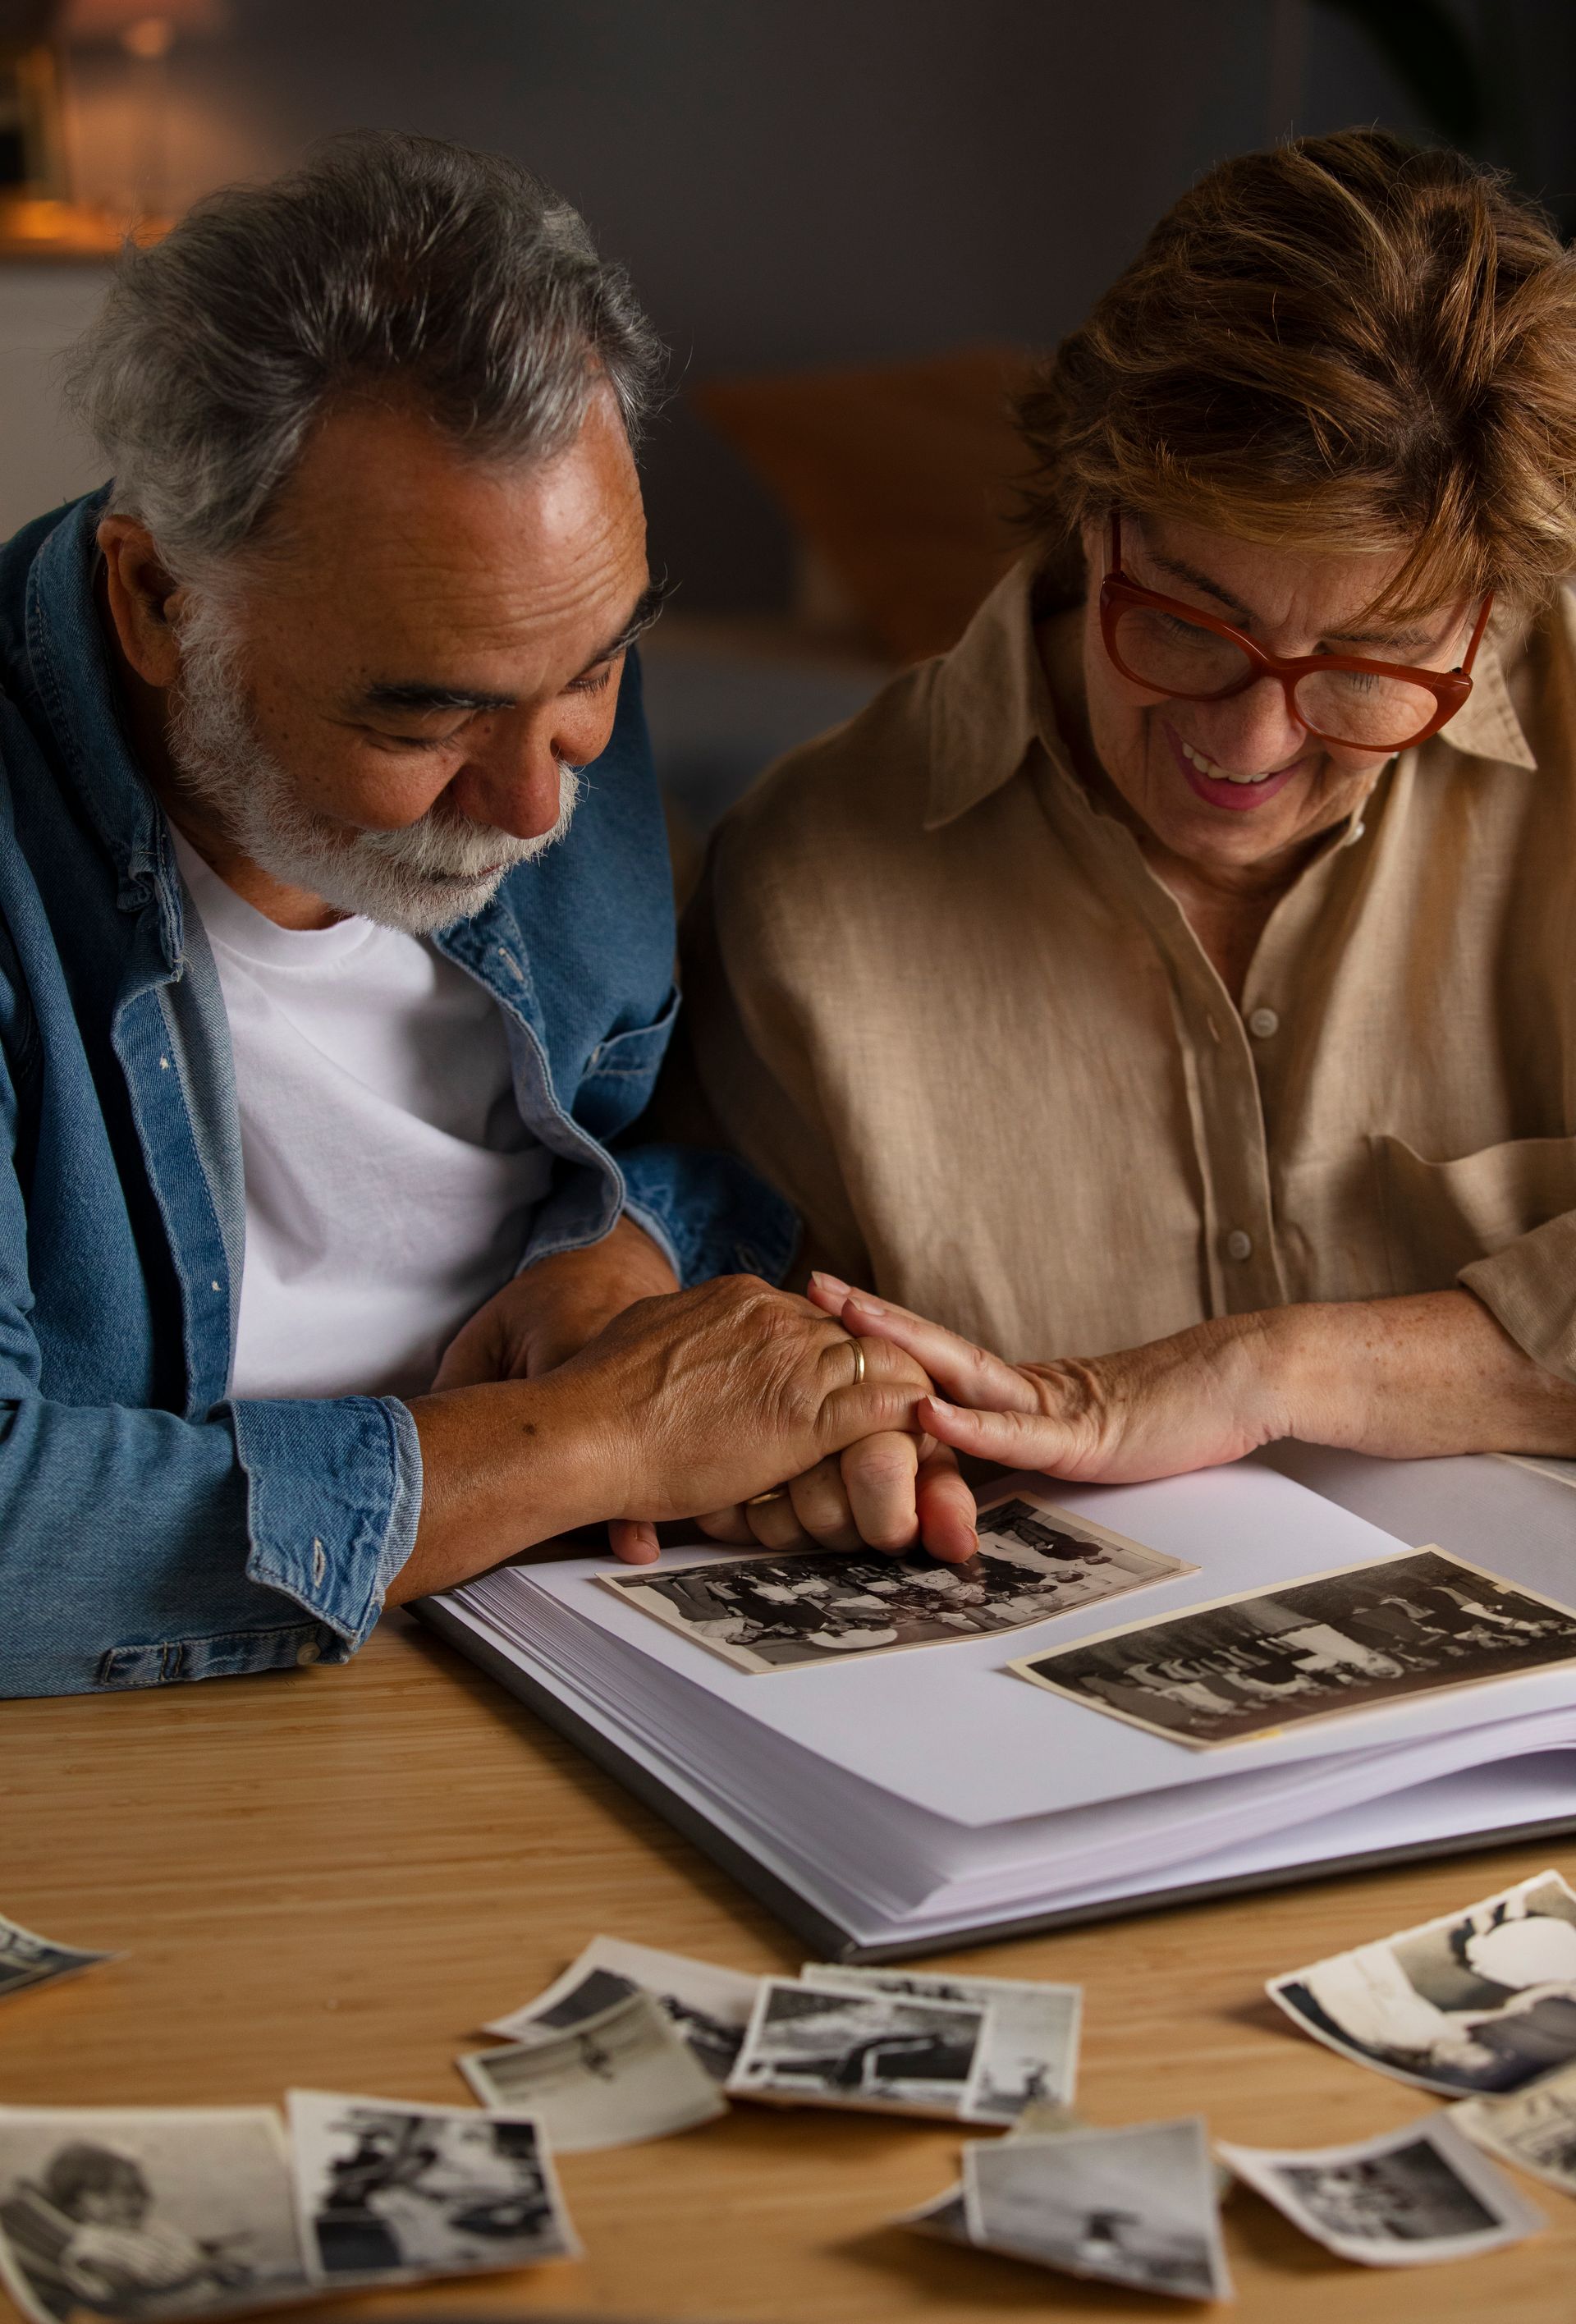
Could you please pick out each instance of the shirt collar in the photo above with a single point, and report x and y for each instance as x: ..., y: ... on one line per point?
x: 990, y: 701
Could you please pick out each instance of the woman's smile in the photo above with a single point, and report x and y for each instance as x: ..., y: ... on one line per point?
x: 1211, y: 783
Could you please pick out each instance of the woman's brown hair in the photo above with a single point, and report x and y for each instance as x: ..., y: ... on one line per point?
x: 1346, y: 343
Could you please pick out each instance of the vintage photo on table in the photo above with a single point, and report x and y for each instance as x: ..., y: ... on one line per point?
x: 1357, y: 1639
x: 708, y: 2006
x: 609, y: 2082
x: 765, y: 1612
x: 817, y: 2045
x: 143, y: 2213
x: 1403, y: 2200
x: 26, y: 1958
x: 1030, y: 2055
x: 1478, y: 2001
x: 383, y: 2188
x: 1136, y: 2206
x: 1534, y: 2127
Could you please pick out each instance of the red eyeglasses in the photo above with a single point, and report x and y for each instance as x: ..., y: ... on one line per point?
x: 1173, y: 649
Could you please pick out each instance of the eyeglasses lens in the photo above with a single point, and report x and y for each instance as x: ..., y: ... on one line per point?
x: 1182, y: 658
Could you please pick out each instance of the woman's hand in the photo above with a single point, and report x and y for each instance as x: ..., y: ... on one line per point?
x: 892, y: 1491
x: 1200, y: 1397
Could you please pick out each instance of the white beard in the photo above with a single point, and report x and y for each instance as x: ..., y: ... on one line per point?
x: 438, y: 869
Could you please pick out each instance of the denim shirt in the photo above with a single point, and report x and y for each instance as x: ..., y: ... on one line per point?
x: 150, y: 1528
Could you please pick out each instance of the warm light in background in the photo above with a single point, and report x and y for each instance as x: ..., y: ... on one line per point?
x: 147, y: 32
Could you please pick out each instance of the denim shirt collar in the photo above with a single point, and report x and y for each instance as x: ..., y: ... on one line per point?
x: 69, y: 666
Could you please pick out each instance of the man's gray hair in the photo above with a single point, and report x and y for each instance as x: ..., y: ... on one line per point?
x: 386, y: 261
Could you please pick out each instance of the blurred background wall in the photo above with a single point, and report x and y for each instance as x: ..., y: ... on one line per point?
x: 793, y: 184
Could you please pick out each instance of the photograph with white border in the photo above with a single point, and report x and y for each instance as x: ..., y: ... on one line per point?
x: 709, y: 2006
x: 809, y: 2044
x: 27, y: 1959
x: 1360, y: 1637
x: 387, y: 2190
x: 771, y: 1612
x: 1534, y: 2127
x: 1030, y: 2057
x: 1136, y: 2206
x: 610, y: 2081
x: 140, y: 2213
x: 1474, y: 2004
x: 1405, y: 2198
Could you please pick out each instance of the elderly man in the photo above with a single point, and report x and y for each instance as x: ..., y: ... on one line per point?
x: 315, y: 1254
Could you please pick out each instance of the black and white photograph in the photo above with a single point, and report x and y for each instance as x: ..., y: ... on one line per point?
x: 709, y: 2006
x: 766, y: 1613
x: 1535, y: 2128
x: 387, y: 2190
x: 1030, y: 2056
x: 1481, y: 2001
x: 1409, y: 2197
x: 1136, y: 2206
x: 1357, y: 1639
x: 818, y: 2045
x: 140, y: 2214
x: 26, y: 1958
x: 944, y: 2217
x: 605, y: 2082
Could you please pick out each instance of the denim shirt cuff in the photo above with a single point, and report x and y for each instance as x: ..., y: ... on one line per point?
x: 710, y: 1211
x: 334, y: 1493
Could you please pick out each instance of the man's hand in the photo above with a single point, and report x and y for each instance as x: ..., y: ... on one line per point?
x: 556, y: 1308
x: 692, y: 1402
x: 892, y: 1493
x: 548, y: 1314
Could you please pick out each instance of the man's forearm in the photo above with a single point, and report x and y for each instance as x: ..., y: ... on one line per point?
x: 1416, y: 1378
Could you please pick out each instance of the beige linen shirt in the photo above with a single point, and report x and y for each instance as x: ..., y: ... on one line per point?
x: 936, y: 995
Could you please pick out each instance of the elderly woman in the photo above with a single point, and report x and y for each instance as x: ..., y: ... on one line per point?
x: 1173, y: 987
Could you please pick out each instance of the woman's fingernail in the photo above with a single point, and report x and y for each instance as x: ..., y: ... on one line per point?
x: 829, y: 1282
x: 863, y: 1305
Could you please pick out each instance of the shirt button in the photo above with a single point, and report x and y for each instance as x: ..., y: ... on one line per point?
x: 1355, y: 833
x: 1264, y: 1024
x: 1239, y: 1244
x: 310, y: 1652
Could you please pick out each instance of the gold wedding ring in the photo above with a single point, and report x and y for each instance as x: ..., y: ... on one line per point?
x: 859, y: 1363
x: 759, y: 1500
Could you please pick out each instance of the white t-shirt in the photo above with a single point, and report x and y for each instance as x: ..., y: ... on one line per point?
x: 390, y: 1179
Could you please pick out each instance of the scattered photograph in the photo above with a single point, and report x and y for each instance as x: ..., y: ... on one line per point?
x: 607, y: 2082
x: 27, y: 1959
x: 766, y: 1613
x: 815, y: 2045
x: 1030, y: 2056
x: 1136, y: 2206
x: 709, y: 2006
x: 1368, y: 1635
x: 387, y: 2190
x: 1406, y: 2197
x: 1478, y: 2002
x: 1535, y: 2128
x: 945, y: 2216
x: 143, y: 2213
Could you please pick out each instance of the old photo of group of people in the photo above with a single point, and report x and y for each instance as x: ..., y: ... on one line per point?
x: 765, y: 1612
x: 1408, y: 1625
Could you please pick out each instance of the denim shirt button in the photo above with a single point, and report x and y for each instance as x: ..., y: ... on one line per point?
x: 309, y: 1654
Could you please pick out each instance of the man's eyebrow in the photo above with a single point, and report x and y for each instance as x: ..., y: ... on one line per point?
x: 415, y: 695
x: 648, y: 605
x: 1395, y: 641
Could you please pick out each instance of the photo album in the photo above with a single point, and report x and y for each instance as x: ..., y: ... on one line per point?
x: 1359, y: 1661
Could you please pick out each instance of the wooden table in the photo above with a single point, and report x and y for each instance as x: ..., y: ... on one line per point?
x: 330, y: 1878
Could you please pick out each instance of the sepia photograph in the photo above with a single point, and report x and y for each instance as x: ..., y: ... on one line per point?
x: 1409, y: 2197
x: 766, y: 1612
x: 388, y: 2189
x: 1535, y: 2128
x: 608, y: 2082
x: 26, y: 1958
x: 1030, y: 2053
x: 1478, y: 2001
x: 146, y: 2213
x: 1367, y: 1636
x: 814, y: 2045
x: 708, y: 2006
x: 1135, y: 2207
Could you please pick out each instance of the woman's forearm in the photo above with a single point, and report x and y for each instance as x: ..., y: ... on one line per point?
x: 1416, y: 1378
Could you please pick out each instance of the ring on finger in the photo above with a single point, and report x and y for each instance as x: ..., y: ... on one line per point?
x: 859, y: 1363
x: 774, y: 1493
